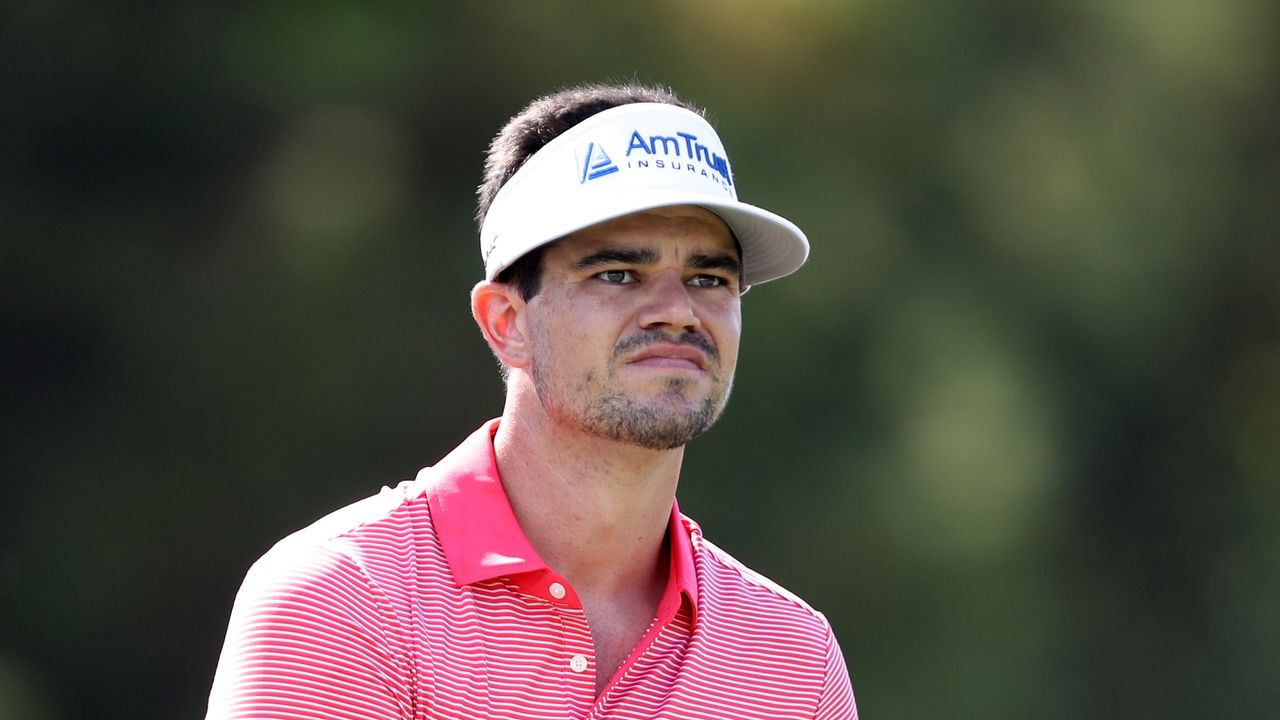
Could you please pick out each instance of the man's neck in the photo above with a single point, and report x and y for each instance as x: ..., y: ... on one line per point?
x: 595, y: 510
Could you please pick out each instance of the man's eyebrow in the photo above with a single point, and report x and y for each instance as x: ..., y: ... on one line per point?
x: 617, y: 256
x: 718, y: 261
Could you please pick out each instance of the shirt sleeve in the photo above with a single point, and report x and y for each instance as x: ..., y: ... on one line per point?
x: 836, y: 701
x: 311, y: 637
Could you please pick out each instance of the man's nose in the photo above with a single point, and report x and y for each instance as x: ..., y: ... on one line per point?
x: 668, y: 303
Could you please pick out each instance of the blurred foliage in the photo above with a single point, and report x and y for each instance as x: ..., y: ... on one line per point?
x: 1015, y: 429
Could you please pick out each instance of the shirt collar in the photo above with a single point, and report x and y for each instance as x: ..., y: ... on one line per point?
x: 482, y: 539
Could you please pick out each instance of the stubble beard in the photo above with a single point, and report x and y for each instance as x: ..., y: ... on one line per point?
x: 599, y: 409
x: 621, y: 418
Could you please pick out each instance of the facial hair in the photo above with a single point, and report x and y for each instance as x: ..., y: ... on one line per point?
x: 599, y: 408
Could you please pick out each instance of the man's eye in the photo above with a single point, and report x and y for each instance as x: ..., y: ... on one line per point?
x: 617, y: 277
x: 706, y: 281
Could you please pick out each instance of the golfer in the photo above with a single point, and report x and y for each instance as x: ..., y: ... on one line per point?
x: 542, y: 569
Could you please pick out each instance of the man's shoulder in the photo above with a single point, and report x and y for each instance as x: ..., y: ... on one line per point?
x: 382, y: 525
x: 390, y: 506
x: 728, y: 585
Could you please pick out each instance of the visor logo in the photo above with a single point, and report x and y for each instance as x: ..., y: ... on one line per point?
x: 597, y: 164
x: 693, y: 151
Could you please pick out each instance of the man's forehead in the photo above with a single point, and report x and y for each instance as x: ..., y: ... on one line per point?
x: 686, y: 229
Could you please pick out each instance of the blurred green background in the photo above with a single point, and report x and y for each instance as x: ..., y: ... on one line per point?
x: 1015, y: 428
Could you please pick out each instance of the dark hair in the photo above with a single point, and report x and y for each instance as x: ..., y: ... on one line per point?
x: 538, y: 124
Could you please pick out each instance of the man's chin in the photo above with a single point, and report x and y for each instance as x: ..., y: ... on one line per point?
x: 661, y: 423
x: 654, y: 437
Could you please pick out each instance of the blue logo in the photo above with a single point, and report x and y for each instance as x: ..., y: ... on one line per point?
x: 695, y: 156
x: 597, y: 164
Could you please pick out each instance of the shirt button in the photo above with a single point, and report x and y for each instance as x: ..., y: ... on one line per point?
x: 578, y: 663
x: 557, y: 591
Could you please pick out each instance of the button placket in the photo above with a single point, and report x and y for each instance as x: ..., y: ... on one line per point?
x: 578, y: 661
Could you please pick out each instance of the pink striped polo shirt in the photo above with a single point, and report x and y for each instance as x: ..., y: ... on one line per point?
x: 427, y: 601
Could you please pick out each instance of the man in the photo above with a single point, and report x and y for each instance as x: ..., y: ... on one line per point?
x: 542, y: 569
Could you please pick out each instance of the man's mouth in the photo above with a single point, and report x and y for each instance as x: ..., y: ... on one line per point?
x: 670, y: 355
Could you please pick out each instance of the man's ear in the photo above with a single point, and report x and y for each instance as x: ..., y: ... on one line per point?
x: 501, y: 314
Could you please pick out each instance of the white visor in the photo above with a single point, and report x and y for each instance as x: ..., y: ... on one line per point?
x: 628, y: 159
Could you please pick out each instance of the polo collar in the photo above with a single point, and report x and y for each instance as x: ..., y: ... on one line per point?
x: 482, y: 539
